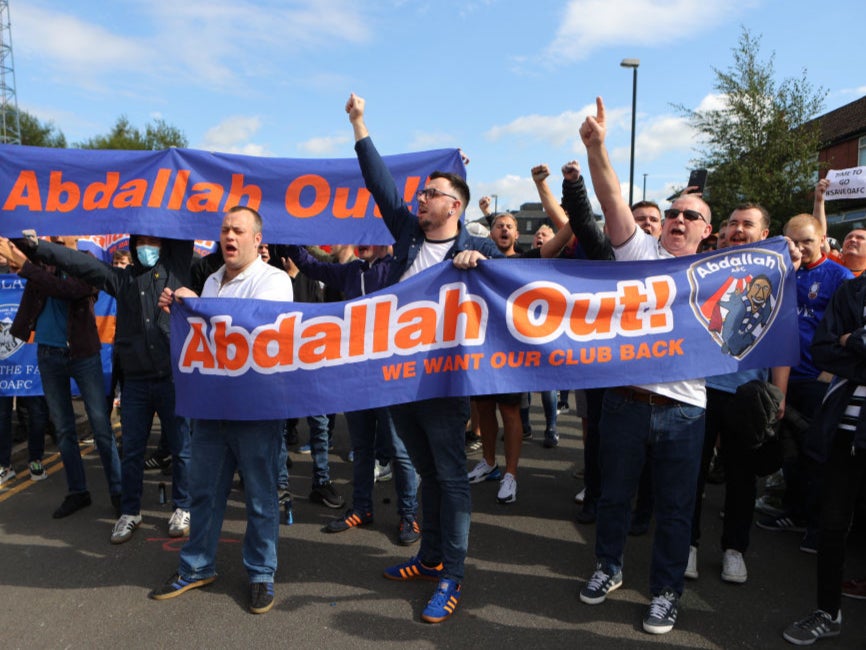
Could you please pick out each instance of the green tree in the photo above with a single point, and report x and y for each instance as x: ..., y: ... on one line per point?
x: 758, y: 146
x: 156, y: 135
x: 34, y: 132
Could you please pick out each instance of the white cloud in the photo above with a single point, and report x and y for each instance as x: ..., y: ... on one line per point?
x: 232, y: 135
x: 511, y: 191
x: 662, y: 135
x: 558, y: 130
x: 324, y: 146
x: 218, y: 43
x: 422, y: 141
x: 588, y: 25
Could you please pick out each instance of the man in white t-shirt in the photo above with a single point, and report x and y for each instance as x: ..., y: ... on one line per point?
x: 220, y: 447
x: 661, y: 421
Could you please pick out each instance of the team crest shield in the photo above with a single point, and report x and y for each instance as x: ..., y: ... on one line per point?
x: 8, y: 343
x: 736, y: 294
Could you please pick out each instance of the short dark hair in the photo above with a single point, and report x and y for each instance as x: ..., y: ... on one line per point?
x: 647, y: 204
x: 457, y: 183
x: 257, y: 218
x: 752, y: 205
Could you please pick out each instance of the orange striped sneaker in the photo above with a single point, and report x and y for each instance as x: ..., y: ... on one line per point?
x: 413, y: 569
x: 443, y: 603
x: 351, y: 519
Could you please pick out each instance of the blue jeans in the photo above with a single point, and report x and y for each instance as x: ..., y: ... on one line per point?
x: 433, y: 431
x: 141, y: 399
x: 56, y: 368
x: 670, y: 438
x: 37, y: 422
x: 319, y: 442
x: 219, y: 447
x: 364, y: 429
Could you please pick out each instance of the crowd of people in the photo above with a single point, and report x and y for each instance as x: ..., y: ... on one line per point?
x: 648, y: 449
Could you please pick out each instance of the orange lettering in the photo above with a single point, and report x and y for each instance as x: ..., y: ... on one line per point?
x: 63, y: 196
x: 320, y: 202
x: 25, y: 193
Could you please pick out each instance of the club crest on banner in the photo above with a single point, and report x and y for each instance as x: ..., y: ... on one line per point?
x: 8, y: 343
x: 736, y: 294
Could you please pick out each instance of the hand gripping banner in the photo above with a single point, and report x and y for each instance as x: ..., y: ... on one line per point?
x: 182, y: 193
x: 507, y: 326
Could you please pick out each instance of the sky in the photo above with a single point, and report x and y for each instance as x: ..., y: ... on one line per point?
x: 507, y: 82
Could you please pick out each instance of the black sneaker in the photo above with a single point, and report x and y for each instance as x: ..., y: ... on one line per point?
x: 410, y: 531
x: 327, y: 495
x: 261, y: 597
x: 351, y: 519
x: 817, y: 625
x: 155, y: 461
x: 72, y: 504
x: 177, y: 585
x: 551, y: 439
x: 599, y: 586
x: 662, y: 613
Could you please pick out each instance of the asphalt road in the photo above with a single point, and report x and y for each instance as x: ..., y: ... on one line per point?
x: 64, y: 586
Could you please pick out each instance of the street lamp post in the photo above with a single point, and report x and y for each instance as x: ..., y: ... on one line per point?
x: 633, y: 64
x: 644, y: 187
x: 495, y: 198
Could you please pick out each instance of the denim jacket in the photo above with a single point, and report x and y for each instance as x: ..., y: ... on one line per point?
x: 402, y: 223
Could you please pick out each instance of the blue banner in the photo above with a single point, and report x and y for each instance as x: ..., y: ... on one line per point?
x: 507, y: 326
x: 19, y: 373
x: 182, y: 193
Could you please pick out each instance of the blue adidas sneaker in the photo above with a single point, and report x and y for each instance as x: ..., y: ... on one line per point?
x: 413, y: 569
x: 176, y: 585
x: 443, y: 603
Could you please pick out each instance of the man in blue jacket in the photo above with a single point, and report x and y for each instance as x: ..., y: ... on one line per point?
x: 432, y: 429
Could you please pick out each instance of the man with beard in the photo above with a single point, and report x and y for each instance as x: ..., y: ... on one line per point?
x: 432, y: 429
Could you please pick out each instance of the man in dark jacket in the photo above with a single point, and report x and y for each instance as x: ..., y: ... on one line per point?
x: 59, y: 310
x: 142, y: 348
x: 432, y: 429
x: 837, y: 442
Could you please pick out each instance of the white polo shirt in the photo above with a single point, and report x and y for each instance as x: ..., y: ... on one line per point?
x: 642, y: 246
x: 259, y: 280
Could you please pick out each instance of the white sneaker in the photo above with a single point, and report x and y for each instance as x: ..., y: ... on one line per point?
x: 580, y: 496
x: 382, y: 473
x: 178, y: 523
x: 692, y: 567
x: 734, y: 567
x: 484, y: 472
x: 124, y: 528
x: 6, y: 474
x: 507, y: 489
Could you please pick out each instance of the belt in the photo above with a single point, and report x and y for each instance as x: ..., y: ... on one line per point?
x: 635, y: 394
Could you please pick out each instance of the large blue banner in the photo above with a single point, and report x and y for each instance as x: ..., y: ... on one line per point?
x: 182, y: 193
x: 507, y: 326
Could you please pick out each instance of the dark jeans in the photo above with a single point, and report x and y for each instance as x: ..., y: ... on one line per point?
x: 364, y: 429
x: 434, y: 431
x: 724, y: 420
x: 37, y: 422
x: 670, y: 438
x: 843, y: 475
x: 801, y: 485
x: 592, y: 474
x: 141, y: 399
x: 57, y: 368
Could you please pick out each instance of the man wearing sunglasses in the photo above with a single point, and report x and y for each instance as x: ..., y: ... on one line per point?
x: 433, y: 430
x: 662, y: 421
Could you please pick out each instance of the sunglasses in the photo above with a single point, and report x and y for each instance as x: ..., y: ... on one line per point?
x: 688, y: 215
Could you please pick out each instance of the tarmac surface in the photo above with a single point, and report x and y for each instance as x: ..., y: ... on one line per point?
x: 64, y: 586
